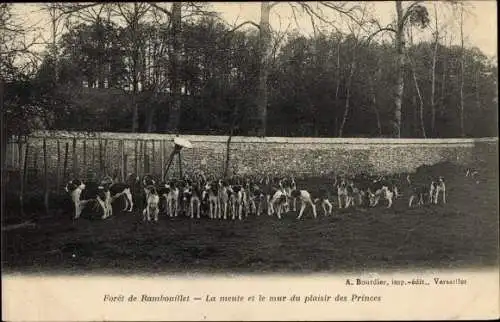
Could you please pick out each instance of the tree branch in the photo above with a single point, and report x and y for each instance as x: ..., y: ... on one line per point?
x: 378, y: 31
x: 165, y: 11
x: 339, y: 9
x: 248, y: 22
x: 67, y: 9
x: 196, y: 9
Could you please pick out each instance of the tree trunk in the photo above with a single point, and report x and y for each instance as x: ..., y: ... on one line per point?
x: 46, y: 179
x: 419, y: 94
x: 337, y: 87
x: 54, y: 44
x: 3, y: 139
x: 443, y: 83
x: 421, y: 106
x: 433, y: 75
x: 478, y: 99
x: 462, y: 63
x: 150, y: 119
x: 264, y: 52
x: 136, y: 68
x: 373, y: 95
x: 135, y: 112
x: 176, y: 89
x: 400, y: 61
x: 24, y: 177
x: 348, y: 96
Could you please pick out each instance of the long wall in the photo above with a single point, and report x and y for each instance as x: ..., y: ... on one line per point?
x: 248, y: 155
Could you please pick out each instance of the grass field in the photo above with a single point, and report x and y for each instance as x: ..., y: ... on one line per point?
x: 461, y: 234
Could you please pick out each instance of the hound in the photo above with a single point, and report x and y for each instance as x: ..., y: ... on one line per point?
x: 419, y: 192
x: 82, y: 194
x: 289, y: 187
x: 383, y: 189
x: 147, y: 183
x: 152, y: 204
x: 279, y: 201
x: 256, y: 198
x: 113, y: 191
x: 224, y: 194
x: 439, y: 187
x: 191, y: 196
x: 354, y: 195
x: 170, y: 194
x: 238, y: 201
x: 211, y: 195
x: 305, y: 198
x: 471, y: 172
x: 325, y: 203
x: 173, y: 200
x: 268, y: 191
x: 384, y: 193
x: 251, y: 207
x: 342, y: 194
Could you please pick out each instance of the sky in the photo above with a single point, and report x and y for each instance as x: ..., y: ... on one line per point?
x: 480, y: 21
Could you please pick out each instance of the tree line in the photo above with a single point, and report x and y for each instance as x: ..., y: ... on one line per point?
x: 141, y: 67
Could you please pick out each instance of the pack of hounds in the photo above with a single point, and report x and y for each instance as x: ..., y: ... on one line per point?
x: 238, y: 197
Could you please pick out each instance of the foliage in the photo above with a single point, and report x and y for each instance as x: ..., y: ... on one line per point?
x: 307, y: 84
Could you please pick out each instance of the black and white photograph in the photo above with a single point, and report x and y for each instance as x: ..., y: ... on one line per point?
x: 254, y: 138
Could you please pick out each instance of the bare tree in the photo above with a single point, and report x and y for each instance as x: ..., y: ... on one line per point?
x: 17, y: 58
x: 420, y: 98
x: 175, y: 17
x: 16, y: 45
x: 315, y: 12
x: 417, y: 14
x: 264, y: 57
x: 352, y: 69
x: 133, y: 14
x: 175, y: 110
x: 462, y: 70
x: 59, y: 12
x: 433, y: 71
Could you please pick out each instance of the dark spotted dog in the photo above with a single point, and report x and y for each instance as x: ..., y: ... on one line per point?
x: 191, y: 197
x: 324, y: 198
x: 152, y: 204
x: 114, y: 190
x: 382, y: 188
x: 211, y: 195
x: 83, y: 194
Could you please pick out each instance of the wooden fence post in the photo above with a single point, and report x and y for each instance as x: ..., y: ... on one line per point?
x: 65, y: 173
x: 141, y: 157
x: 105, y: 158
x: 152, y: 165
x: 136, y: 162
x: 93, y: 155
x: 58, y: 169
x: 162, y: 156
x: 35, y: 162
x: 24, y: 177
x: 74, y: 160
x: 101, y: 165
x: 46, y: 177
x: 122, y: 159
x: 84, y: 167
x: 146, y: 157
x: 19, y: 160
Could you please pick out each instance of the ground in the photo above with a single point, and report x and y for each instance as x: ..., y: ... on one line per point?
x: 461, y: 234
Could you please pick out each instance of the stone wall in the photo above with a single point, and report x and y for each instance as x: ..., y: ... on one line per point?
x: 248, y: 155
